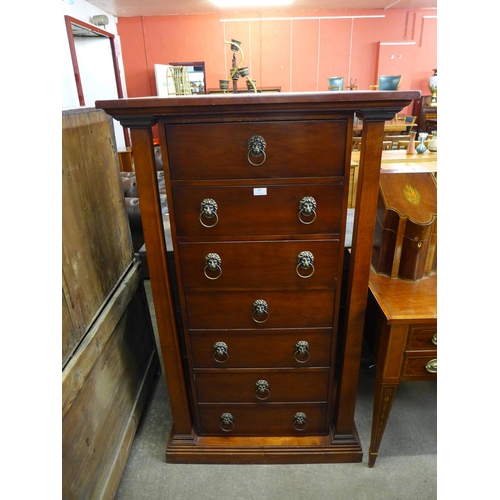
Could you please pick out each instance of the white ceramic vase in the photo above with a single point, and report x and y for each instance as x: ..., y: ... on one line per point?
x: 433, y: 143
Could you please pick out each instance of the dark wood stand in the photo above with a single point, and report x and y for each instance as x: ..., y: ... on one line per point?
x: 426, y: 114
x: 205, y: 155
x: 401, y: 332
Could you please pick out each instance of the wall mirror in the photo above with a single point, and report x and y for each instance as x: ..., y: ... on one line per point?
x: 197, y: 76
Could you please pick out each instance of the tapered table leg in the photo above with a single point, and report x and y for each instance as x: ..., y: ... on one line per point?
x: 384, y: 397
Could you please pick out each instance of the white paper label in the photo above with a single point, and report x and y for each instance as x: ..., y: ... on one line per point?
x: 259, y: 191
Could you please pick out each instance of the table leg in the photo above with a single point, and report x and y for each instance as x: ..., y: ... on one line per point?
x: 384, y: 397
x: 388, y: 361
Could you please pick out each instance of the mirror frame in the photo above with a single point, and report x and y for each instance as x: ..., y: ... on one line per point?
x: 70, y: 21
x: 199, y: 63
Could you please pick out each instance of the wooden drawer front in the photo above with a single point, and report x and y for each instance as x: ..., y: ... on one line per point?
x: 283, y: 385
x: 263, y: 420
x: 414, y: 367
x: 242, y: 211
x: 257, y: 264
x: 255, y: 349
x: 421, y: 337
x: 221, y: 310
x: 220, y: 151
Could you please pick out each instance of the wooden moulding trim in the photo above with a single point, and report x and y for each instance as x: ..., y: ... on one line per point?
x: 145, y: 121
x: 377, y: 115
x: 79, y: 367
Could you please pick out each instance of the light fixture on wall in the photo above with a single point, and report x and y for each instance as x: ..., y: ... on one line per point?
x: 100, y: 20
x: 226, y: 4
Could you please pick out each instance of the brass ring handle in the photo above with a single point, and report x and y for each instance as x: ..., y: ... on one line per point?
x: 299, y: 421
x: 301, y: 353
x: 221, y: 354
x: 307, y: 208
x: 262, y: 391
x: 213, y: 263
x: 208, y: 210
x: 256, y: 164
x: 256, y: 149
x: 226, y: 422
x: 434, y: 339
x: 260, y: 309
x: 305, y: 261
x: 432, y: 366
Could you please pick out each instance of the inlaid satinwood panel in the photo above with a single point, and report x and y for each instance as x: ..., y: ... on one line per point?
x: 422, y: 337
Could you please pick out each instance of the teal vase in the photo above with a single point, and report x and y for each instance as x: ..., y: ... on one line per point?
x: 421, y: 147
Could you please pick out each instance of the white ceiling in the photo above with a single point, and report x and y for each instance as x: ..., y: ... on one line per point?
x: 133, y: 8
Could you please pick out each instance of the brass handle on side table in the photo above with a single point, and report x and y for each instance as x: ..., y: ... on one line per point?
x: 213, y: 264
x: 262, y: 391
x: 221, y: 354
x: 299, y: 421
x: 432, y: 366
x: 208, y: 210
x: 226, y: 422
x: 260, y: 309
x: 307, y: 209
x: 301, y: 353
x: 434, y: 339
x: 305, y: 261
x: 256, y: 149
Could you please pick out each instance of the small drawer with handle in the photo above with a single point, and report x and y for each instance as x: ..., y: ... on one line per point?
x: 420, y: 367
x: 287, y: 419
x: 422, y: 337
x: 249, y: 150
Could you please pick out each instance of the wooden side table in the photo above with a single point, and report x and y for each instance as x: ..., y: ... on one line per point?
x: 401, y: 332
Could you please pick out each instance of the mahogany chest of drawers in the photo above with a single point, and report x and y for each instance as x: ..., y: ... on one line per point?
x: 257, y: 366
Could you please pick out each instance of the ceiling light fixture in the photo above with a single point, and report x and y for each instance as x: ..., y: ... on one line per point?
x: 226, y: 4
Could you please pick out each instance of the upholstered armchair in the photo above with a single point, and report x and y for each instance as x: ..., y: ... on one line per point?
x: 385, y: 82
x: 335, y: 82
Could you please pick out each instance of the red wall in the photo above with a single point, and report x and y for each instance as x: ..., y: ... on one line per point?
x: 297, y: 55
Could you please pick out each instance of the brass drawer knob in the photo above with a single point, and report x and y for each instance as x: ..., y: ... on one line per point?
x: 432, y: 366
x: 299, y: 421
x: 213, y: 266
x: 260, y: 312
x: 262, y: 391
x: 301, y: 354
x: 226, y: 422
x: 221, y: 354
x: 434, y: 339
x: 305, y: 261
x: 256, y: 149
x: 307, y: 210
x: 208, y: 210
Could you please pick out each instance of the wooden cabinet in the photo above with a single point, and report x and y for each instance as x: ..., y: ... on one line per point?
x: 257, y: 367
x: 426, y: 114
